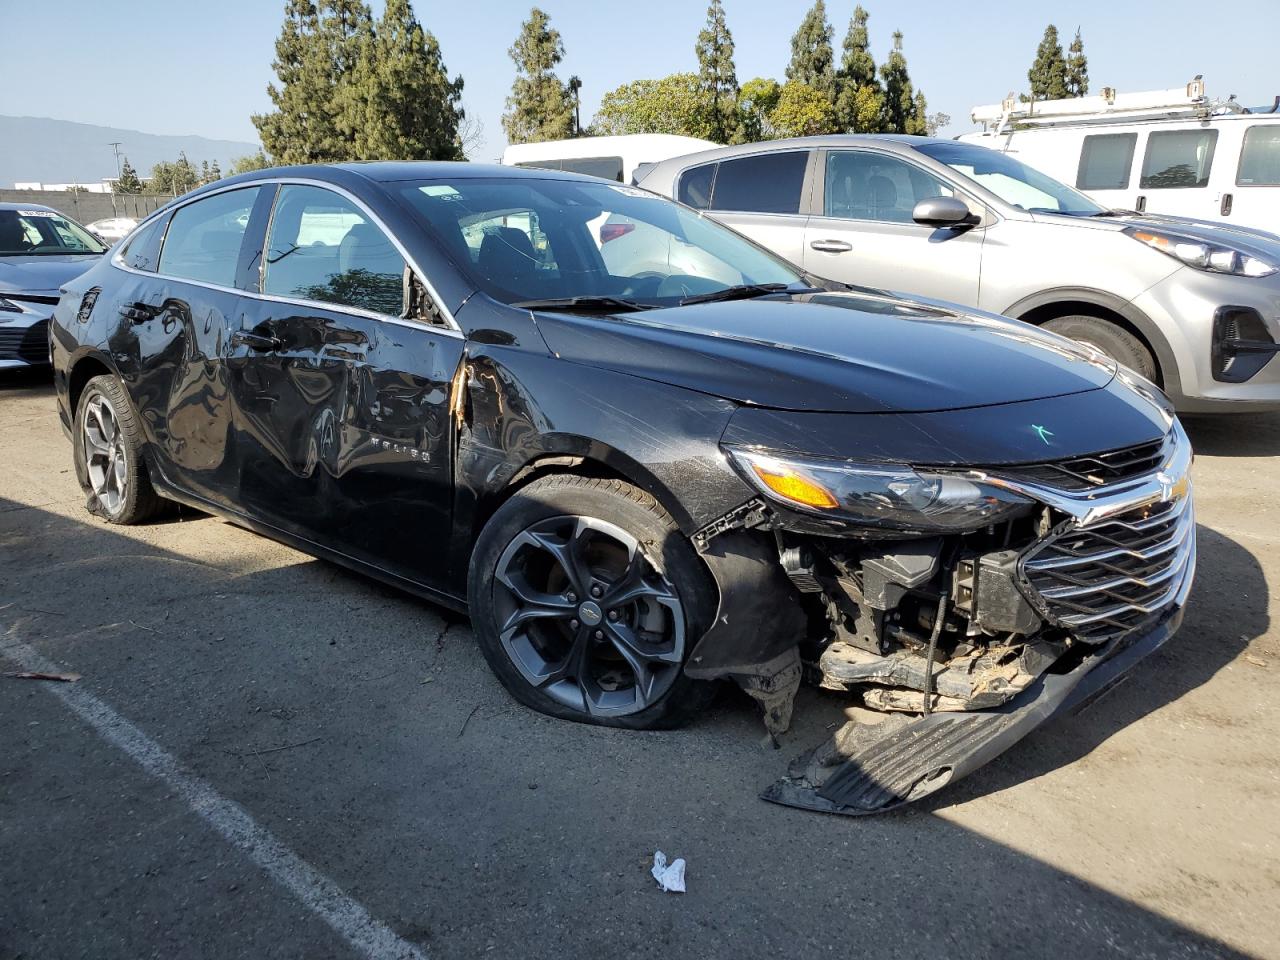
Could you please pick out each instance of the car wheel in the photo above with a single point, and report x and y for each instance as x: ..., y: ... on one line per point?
x: 108, y: 455
x: 586, y: 600
x: 1116, y: 342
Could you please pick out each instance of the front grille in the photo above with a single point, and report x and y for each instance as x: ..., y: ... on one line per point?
x: 1112, y: 576
x: 1093, y: 470
x: 25, y: 343
x: 31, y: 298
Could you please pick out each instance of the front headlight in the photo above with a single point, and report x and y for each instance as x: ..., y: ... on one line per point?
x: 887, y: 496
x: 1203, y: 255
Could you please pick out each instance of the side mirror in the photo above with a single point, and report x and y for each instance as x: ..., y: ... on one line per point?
x: 943, y: 212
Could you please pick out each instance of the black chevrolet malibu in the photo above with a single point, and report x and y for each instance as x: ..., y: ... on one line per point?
x: 643, y: 453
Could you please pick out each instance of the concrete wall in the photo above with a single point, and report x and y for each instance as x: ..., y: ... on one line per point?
x: 87, y: 207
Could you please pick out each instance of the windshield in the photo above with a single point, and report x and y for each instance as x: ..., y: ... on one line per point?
x: 534, y: 239
x: 1011, y: 180
x: 33, y: 233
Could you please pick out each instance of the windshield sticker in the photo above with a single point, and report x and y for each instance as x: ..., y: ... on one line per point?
x: 37, y: 213
x: 634, y: 192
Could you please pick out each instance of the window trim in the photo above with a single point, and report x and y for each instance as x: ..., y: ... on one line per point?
x: 1132, y: 136
x: 452, y: 328
x: 976, y: 206
x: 1155, y: 134
x: 1240, y: 162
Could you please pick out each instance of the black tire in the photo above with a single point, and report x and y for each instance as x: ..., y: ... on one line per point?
x: 542, y: 506
x: 134, y: 500
x: 1113, y: 340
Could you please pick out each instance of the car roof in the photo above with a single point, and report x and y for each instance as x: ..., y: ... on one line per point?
x: 392, y: 171
x: 898, y: 142
x: 27, y: 206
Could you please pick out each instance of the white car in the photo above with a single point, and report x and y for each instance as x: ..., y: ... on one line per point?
x: 112, y: 228
x: 622, y: 158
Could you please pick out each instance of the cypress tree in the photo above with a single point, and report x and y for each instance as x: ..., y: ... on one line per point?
x: 858, y: 94
x: 1077, y: 72
x: 128, y: 181
x: 302, y: 128
x: 717, y: 78
x: 1048, y: 74
x: 919, y: 122
x: 899, y: 98
x: 540, y: 107
x: 812, y: 61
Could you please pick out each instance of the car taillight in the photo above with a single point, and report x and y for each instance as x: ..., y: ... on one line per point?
x: 612, y: 231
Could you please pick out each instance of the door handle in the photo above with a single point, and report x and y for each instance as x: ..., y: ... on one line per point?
x: 1226, y: 205
x: 138, y: 312
x: 255, y: 341
x: 831, y: 246
x: 1141, y: 205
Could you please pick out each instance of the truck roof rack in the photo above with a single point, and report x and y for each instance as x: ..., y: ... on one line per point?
x: 1189, y: 102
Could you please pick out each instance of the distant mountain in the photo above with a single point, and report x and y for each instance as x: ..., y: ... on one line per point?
x: 59, y: 151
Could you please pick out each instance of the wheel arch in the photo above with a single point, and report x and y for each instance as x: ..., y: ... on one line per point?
x: 83, y: 369
x: 1048, y: 305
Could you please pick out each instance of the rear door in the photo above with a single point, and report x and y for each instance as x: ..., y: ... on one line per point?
x: 341, y: 396
x: 862, y: 231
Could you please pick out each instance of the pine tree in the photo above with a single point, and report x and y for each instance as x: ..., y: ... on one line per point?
x: 919, y: 122
x: 404, y: 104
x: 812, y: 61
x: 302, y: 128
x: 540, y: 106
x: 215, y: 171
x: 1048, y: 74
x: 1077, y: 68
x: 255, y: 161
x: 717, y: 78
x: 347, y: 37
x: 899, y: 98
x: 128, y: 181
x: 858, y: 94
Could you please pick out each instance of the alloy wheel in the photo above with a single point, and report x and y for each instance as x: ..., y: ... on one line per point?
x: 104, y: 454
x: 587, y: 618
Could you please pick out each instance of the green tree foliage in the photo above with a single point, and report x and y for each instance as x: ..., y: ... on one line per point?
x: 1077, y: 70
x: 255, y: 161
x: 859, y: 99
x: 918, y: 125
x: 812, y: 61
x: 899, y: 112
x: 405, y: 105
x: 756, y: 102
x: 673, y: 104
x: 802, y: 111
x: 540, y: 106
x: 128, y: 181
x: 173, y: 179
x: 717, y: 78
x: 1048, y: 74
x: 303, y: 128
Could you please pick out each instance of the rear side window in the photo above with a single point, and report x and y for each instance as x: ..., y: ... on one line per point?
x: 767, y: 183
x: 142, y: 250
x: 1105, y: 161
x: 1177, y: 159
x: 323, y: 247
x: 1260, y: 157
x: 695, y: 186
x: 204, y: 237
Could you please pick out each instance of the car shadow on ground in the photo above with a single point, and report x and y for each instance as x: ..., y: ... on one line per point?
x: 1235, y: 435
x: 391, y: 766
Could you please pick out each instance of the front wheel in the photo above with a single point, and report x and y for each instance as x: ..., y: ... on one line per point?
x: 586, y: 601
x: 1115, y: 341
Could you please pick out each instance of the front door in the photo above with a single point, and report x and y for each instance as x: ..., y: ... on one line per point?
x: 342, y: 402
x: 865, y: 234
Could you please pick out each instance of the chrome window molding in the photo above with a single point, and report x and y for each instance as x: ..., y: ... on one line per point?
x: 451, y: 330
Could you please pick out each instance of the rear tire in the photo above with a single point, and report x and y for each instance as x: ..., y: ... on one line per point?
x: 107, y: 445
x: 586, y: 600
x: 1113, y: 340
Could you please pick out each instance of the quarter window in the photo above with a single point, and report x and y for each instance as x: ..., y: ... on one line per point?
x: 143, y: 248
x: 695, y: 186
x: 321, y: 246
x: 1178, y: 158
x: 1105, y: 161
x: 204, y: 237
x: 1260, y: 157
x: 870, y: 186
x: 766, y: 183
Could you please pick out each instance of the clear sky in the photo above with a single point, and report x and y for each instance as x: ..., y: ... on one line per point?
x: 181, y: 67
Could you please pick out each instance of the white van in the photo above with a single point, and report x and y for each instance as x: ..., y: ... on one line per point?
x: 613, y: 158
x: 1163, y: 152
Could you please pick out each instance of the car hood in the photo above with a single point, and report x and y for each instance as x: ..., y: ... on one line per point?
x: 861, y: 352
x: 1260, y: 243
x: 44, y: 274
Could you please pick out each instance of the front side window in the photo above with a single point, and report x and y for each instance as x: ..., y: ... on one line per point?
x: 530, y: 239
x: 321, y: 246
x: 1105, y: 161
x: 204, y: 237
x: 869, y: 186
x: 36, y: 232
x: 1260, y: 157
x: 1011, y: 180
x: 767, y: 183
x: 1177, y: 159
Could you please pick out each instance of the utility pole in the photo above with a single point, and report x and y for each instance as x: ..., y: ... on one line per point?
x: 115, y: 146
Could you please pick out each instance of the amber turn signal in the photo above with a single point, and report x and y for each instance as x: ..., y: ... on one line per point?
x: 792, y: 486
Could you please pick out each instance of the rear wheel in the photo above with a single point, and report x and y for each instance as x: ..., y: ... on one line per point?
x: 1113, y: 340
x: 586, y: 601
x: 108, y: 455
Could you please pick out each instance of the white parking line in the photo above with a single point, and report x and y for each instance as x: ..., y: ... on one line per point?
x: 317, y: 892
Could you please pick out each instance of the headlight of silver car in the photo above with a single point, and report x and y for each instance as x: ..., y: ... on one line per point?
x: 1203, y: 255
x: 887, y: 496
